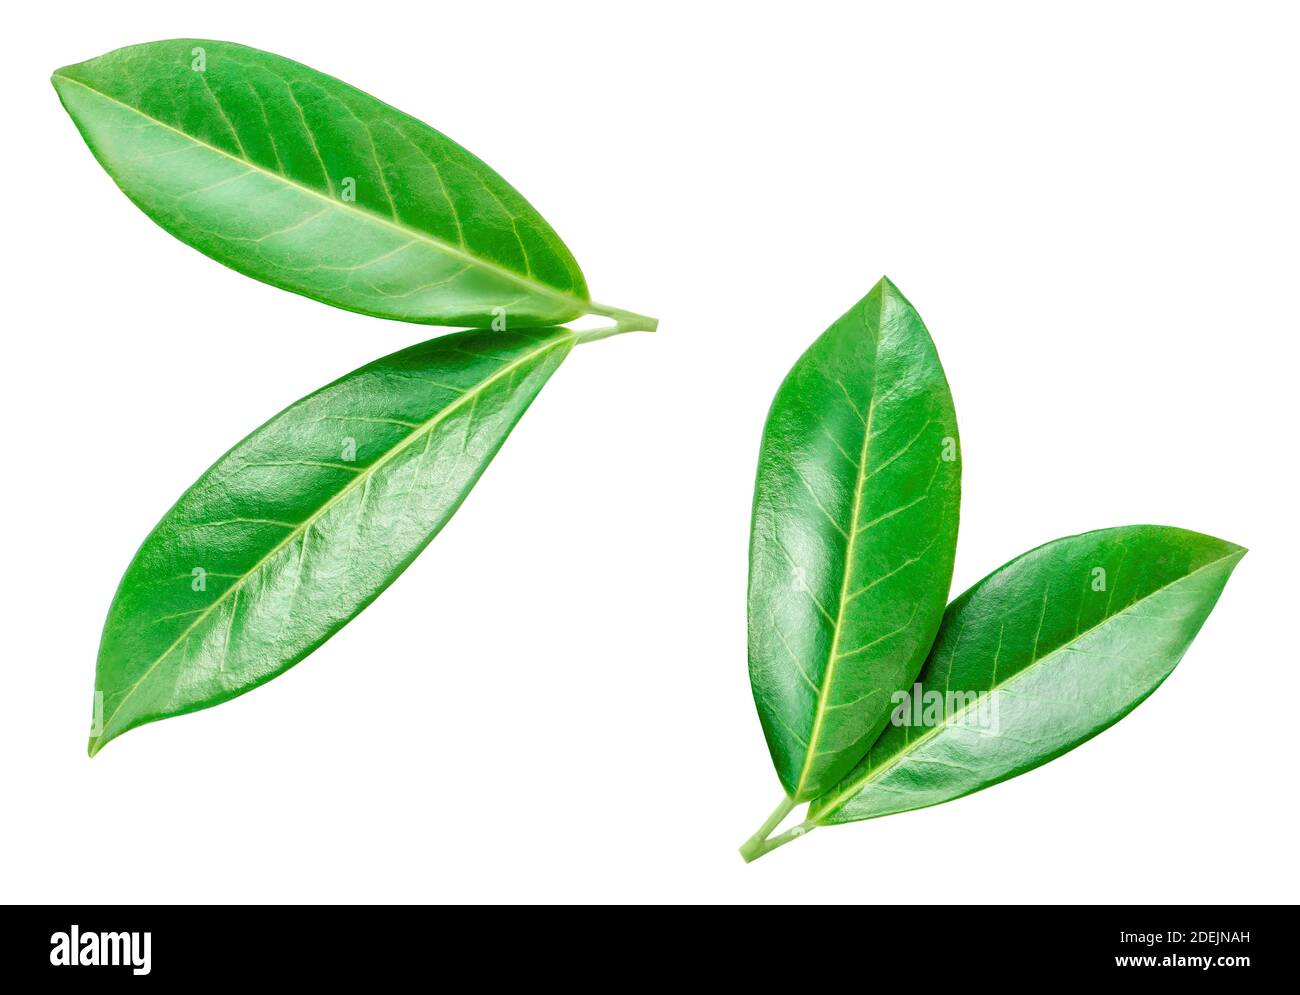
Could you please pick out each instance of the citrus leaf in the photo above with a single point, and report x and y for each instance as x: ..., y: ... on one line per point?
x: 299, y: 180
x: 1038, y: 657
x: 854, y: 532
x: 303, y: 523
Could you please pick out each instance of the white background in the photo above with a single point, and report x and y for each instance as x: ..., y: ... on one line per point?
x: 1096, y: 213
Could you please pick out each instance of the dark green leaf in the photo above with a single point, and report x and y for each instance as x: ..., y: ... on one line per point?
x: 294, y: 178
x: 855, y: 525
x: 1041, y: 655
x: 304, y: 523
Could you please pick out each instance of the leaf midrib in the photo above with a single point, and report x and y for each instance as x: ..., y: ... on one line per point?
x: 823, y: 694
x: 844, y: 797
x: 461, y: 253
x: 360, y: 478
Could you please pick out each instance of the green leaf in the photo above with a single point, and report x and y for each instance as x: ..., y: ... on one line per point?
x: 1039, y: 656
x: 300, y: 526
x: 299, y: 180
x: 854, y: 531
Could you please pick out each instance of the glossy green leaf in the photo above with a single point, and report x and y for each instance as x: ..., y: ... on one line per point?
x: 854, y: 531
x: 297, y: 179
x: 300, y: 526
x: 1041, y: 655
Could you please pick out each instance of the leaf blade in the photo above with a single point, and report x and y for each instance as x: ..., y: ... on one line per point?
x: 1046, y: 664
x: 246, y: 160
x: 853, y: 537
x: 293, y: 532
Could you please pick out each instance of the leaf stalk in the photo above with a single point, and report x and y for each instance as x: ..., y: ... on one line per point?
x: 767, y: 846
x: 759, y: 843
x: 624, y: 321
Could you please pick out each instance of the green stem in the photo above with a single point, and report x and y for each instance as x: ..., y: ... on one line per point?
x: 624, y: 321
x: 767, y: 846
x: 758, y: 844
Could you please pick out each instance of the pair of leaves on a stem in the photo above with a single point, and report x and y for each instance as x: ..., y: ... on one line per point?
x: 873, y: 698
x: 299, y: 180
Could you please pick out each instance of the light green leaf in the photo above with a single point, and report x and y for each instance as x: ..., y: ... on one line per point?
x: 1038, y: 657
x: 299, y: 180
x: 301, y: 525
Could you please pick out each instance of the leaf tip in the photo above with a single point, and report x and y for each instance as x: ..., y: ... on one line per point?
x: 59, y: 79
x: 1233, y: 551
x: 885, y: 290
